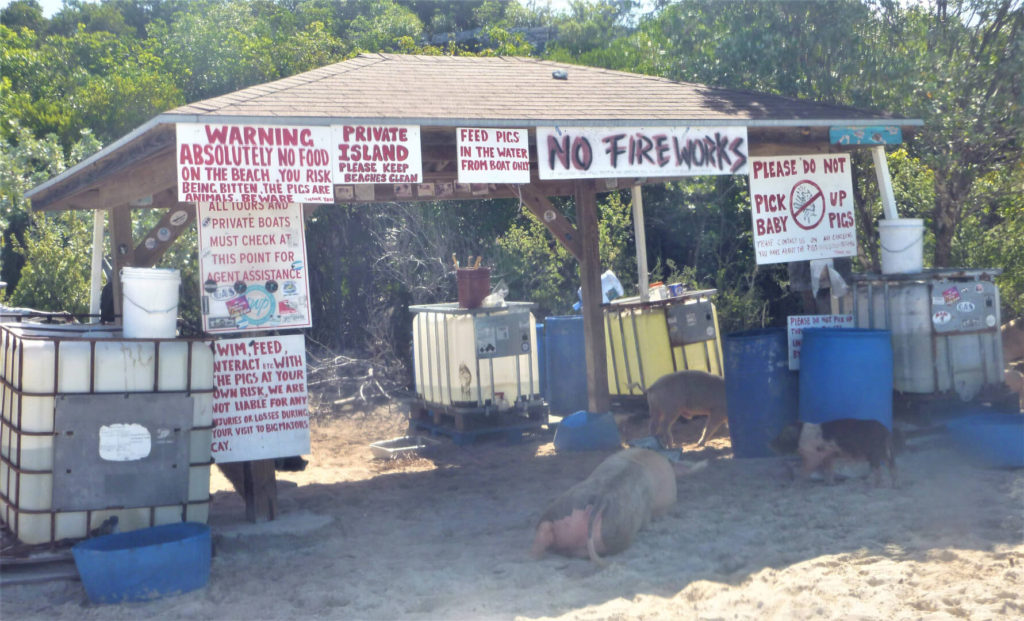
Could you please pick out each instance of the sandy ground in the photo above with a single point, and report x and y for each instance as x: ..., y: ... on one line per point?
x: 446, y: 536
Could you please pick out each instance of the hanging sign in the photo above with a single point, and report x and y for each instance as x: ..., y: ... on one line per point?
x: 493, y: 155
x: 252, y: 267
x: 260, y: 401
x: 872, y: 135
x: 254, y: 163
x: 376, y: 154
x: 600, y: 152
x: 797, y: 324
x: 802, y: 208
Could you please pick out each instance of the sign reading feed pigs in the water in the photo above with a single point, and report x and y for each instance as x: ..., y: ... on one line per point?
x: 254, y: 163
x: 252, y: 267
x: 801, y: 208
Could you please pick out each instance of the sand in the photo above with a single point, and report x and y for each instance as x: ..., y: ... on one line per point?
x: 446, y: 536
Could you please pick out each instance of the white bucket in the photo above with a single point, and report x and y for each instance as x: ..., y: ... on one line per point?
x: 150, y: 306
x: 902, y: 243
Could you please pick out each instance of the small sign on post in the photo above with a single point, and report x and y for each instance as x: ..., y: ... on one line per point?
x: 797, y: 324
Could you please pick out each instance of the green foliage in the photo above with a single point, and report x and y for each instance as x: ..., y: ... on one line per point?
x: 25, y: 162
x: 110, y: 65
x: 56, y: 272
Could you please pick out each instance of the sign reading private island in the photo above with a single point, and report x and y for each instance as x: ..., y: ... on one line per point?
x: 599, y: 152
x: 376, y: 154
x: 802, y: 208
x: 254, y: 164
x: 252, y: 267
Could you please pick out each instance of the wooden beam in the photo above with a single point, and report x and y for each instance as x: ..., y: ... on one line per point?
x: 146, y: 179
x: 590, y: 282
x: 124, y: 160
x: 156, y: 242
x: 551, y: 217
x: 122, y: 249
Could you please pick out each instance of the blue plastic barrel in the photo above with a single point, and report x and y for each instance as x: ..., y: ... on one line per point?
x: 846, y: 374
x: 761, y: 392
x: 541, y: 353
x: 566, y: 366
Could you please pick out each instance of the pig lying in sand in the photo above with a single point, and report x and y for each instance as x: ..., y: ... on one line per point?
x: 821, y: 444
x: 686, y: 394
x: 602, y: 513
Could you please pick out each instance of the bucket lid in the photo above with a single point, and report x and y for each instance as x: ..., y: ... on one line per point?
x: 152, y: 273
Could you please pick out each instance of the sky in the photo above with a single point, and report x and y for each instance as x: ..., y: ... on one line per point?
x: 52, y: 6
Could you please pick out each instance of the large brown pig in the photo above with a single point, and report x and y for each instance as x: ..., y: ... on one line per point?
x: 602, y: 513
x: 1012, y: 336
x: 686, y: 394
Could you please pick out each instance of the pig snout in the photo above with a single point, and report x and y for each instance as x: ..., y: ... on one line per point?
x: 543, y: 539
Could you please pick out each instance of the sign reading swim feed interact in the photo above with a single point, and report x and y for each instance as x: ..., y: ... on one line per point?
x: 607, y: 152
x: 802, y: 208
x: 260, y: 401
x: 252, y: 266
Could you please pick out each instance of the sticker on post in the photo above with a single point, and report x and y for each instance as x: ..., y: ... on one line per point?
x: 124, y: 442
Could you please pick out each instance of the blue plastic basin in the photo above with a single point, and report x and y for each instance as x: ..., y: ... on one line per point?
x: 144, y: 564
x: 586, y: 431
x: 993, y: 438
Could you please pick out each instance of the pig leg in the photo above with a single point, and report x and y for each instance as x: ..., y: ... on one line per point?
x: 827, y: 471
x: 711, y: 427
x: 594, y: 536
x: 543, y: 539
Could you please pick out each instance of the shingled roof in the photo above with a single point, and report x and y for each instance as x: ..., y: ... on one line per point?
x: 505, y: 91
x: 440, y: 93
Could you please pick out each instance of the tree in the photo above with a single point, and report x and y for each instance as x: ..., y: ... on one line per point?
x: 39, y: 253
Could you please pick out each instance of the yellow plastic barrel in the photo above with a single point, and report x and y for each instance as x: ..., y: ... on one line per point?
x: 647, y: 340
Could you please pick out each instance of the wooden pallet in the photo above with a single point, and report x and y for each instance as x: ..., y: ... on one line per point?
x: 464, y: 425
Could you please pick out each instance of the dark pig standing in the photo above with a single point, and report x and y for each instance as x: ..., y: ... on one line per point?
x: 821, y: 444
x: 602, y: 513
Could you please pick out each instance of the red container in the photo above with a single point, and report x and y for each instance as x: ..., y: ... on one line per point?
x: 474, y: 284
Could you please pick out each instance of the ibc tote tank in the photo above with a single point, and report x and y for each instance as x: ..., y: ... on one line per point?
x: 82, y: 430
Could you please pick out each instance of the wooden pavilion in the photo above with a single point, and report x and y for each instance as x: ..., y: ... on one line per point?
x: 440, y: 94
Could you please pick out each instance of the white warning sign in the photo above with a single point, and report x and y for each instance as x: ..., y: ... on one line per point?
x: 801, y: 208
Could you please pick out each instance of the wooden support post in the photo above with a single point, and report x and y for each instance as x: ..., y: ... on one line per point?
x: 122, y: 248
x: 884, y: 182
x: 590, y: 283
x: 640, y: 235
x: 96, y: 269
x: 260, y: 490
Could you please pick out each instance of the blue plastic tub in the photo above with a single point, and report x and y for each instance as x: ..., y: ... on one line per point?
x: 761, y: 392
x: 586, y: 431
x: 846, y: 373
x: 566, y: 367
x: 144, y: 564
x: 993, y: 438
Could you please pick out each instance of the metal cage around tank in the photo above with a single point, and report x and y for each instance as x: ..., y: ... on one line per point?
x: 95, y: 426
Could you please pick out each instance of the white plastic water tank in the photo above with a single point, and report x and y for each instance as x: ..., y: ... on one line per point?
x: 453, y: 363
x: 40, y: 362
x: 944, y: 325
